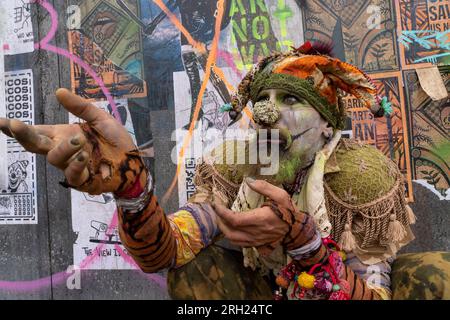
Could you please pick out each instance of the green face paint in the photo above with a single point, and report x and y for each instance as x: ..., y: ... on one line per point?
x: 303, y: 131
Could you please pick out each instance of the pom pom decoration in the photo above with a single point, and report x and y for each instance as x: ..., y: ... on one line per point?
x: 386, y: 106
x: 316, y: 48
x: 323, y: 285
x: 306, y: 280
x: 225, y: 108
x: 282, y: 281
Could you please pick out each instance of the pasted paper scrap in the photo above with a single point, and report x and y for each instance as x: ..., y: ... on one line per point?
x: 17, y: 26
x: 432, y: 83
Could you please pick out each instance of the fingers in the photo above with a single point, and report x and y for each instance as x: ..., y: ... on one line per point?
x: 45, y: 130
x: 235, y: 220
x: 80, y: 107
x: 77, y: 172
x: 61, y: 155
x: 238, y: 237
x: 32, y: 138
x: 4, y: 127
x: 267, y: 189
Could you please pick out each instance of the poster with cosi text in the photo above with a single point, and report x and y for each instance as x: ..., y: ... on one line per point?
x: 18, y: 202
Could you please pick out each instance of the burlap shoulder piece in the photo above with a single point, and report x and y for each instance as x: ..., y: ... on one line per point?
x: 365, y: 200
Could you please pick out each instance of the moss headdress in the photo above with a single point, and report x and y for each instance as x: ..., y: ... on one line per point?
x: 313, y: 75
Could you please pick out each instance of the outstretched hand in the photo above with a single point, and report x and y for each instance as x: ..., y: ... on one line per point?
x: 65, y: 145
x: 259, y: 227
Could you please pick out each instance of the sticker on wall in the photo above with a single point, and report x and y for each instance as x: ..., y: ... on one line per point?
x: 92, y: 216
x: 18, y: 202
x: 18, y: 34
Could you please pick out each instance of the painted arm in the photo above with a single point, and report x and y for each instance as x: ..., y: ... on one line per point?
x: 156, y: 241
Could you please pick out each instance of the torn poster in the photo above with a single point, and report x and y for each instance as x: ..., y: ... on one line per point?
x: 431, y: 82
x: 430, y: 136
x: 18, y: 28
x: 3, y: 152
x: 18, y: 202
x: 93, y: 216
x: 212, y: 128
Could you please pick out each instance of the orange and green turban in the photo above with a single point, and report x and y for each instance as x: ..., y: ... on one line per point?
x: 313, y: 76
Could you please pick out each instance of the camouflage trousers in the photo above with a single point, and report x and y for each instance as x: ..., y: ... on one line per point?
x: 217, y: 274
x: 421, y: 276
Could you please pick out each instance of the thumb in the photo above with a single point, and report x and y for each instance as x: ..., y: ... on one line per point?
x: 79, y: 106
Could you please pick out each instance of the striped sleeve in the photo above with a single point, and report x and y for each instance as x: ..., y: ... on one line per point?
x: 156, y: 241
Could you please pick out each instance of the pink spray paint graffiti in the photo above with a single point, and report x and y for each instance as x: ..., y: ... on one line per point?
x: 61, y: 277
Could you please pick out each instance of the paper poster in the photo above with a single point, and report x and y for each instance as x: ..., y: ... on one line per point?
x: 18, y: 28
x: 212, y: 128
x: 250, y: 30
x: 109, y: 40
x: 18, y: 202
x: 92, y: 215
x: 387, y: 134
x: 258, y: 28
x: 362, y: 32
x: 430, y: 136
x: 3, y: 152
x: 423, y: 32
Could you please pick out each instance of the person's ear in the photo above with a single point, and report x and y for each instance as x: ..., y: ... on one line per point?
x: 328, y: 132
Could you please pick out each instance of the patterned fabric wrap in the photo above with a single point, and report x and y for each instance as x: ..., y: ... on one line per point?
x: 195, y: 228
x: 148, y: 237
x: 324, y: 75
x: 301, y: 226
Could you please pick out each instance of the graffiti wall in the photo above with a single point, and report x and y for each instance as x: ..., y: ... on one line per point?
x: 164, y: 68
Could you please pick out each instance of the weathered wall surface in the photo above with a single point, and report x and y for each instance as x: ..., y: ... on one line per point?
x: 159, y: 63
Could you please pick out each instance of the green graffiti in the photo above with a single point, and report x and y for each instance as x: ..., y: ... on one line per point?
x: 283, y: 13
x: 240, y: 30
x: 256, y: 28
x: 252, y: 35
x: 238, y: 7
